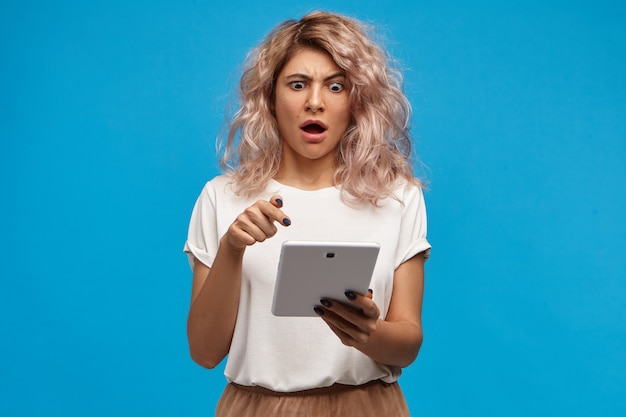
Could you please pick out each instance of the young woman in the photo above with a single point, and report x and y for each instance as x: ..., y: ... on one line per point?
x: 318, y: 150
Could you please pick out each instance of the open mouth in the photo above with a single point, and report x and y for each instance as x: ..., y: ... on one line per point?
x: 314, y: 128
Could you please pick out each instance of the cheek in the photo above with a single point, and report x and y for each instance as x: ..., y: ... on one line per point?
x: 286, y: 120
x: 280, y: 111
x: 342, y: 109
x: 344, y: 115
x: 284, y: 109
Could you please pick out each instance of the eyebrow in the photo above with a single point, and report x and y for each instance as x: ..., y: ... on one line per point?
x: 308, y: 78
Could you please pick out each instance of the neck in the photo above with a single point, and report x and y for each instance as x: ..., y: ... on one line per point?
x: 306, y: 174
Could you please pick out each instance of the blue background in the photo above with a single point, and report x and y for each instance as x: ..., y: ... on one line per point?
x: 108, y: 116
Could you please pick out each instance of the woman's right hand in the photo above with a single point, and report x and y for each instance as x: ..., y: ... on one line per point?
x: 256, y: 223
x: 216, y: 290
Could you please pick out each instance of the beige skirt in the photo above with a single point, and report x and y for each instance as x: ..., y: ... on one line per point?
x: 374, y: 399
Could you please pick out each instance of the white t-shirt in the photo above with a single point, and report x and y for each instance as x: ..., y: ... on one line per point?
x: 296, y: 353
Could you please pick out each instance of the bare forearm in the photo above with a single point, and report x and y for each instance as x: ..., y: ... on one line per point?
x: 215, y: 292
x: 393, y: 343
x: 213, y: 312
x: 397, y: 339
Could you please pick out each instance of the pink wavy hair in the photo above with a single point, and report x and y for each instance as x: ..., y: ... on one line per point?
x: 374, y: 152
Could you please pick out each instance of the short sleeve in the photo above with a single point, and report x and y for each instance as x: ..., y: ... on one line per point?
x: 202, y: 240
x: 413, y: 228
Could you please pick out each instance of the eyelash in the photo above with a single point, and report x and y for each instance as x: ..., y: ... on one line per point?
x: 294, y: 85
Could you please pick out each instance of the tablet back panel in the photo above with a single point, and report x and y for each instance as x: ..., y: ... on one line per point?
x: 309, y: 271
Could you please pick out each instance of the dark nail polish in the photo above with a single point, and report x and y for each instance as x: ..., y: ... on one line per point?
x: 318, y: 311
x: 286, y: 222
x: 371, y: 291
x: 350, y: 295
x: 279, y: 202
x: 326, y: 303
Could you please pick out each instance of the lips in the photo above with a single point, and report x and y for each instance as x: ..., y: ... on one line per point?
x: 314, y: 127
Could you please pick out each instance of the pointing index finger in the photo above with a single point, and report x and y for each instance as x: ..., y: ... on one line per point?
x: 277, y: 214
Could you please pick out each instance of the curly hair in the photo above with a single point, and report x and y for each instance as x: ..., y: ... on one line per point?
x: 375, y: 150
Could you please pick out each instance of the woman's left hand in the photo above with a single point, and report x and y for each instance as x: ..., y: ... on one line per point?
x: 353, y: 326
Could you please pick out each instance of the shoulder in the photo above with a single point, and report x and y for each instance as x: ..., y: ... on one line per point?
x: 405, y: 190
x: 222, y: 191
x: 221, y: 181
x: 220, y: 184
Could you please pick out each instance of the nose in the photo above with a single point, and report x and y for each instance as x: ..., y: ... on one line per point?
x: 315, y: 101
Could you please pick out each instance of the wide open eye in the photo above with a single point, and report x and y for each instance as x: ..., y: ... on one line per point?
x: 336, y: 87
x: 297, y: 85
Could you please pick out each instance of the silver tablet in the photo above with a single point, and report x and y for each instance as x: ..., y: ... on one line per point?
x: 311, y: 270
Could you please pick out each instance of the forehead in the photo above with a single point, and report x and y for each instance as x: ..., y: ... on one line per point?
x: 311, y: 62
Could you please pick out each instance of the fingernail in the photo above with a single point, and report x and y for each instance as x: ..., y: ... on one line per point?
x: 286, y: 222
x: 318, y: 311
x: 350, y: 295
x: 326, y: 303
x: 279, y: 202
x: 371, y: 291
